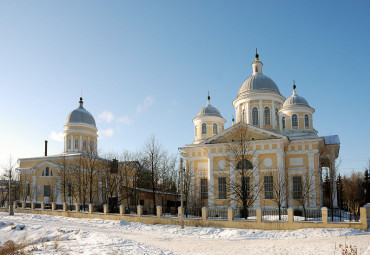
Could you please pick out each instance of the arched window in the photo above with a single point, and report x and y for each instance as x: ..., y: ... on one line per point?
x: 306, y: 121
x: 267, y: 116
x: 255, y: 116
x: 244, y: 164
x: 47, y: 171
x: 283, y: 122
x: 256, y: 69
x: 215, y: 129
x: 51, y: 172
x: 294, y: 120
x: 277, y: 116
x: 195, y: 130
x: 84, y: 145
x: 69, y: 144
x: 76, y: 144
x: 204, y: 128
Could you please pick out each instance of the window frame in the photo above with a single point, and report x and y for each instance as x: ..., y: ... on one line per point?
x: 266, y: 116
x: 268, y: 186
x: 204, y: 129
x: 215, y: 128
x: 277, y: 116
x: 247, y: 181
x: 306, y: 121
x: 45, y: 191
x: 295, y: 121
x: 203, y: 188
x: 222, y: 187
x: 283, y: 123
x: 297, y: 187
x: 255, y: 116
x: 76, y: 144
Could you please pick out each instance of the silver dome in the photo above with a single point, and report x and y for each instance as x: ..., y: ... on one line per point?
x: 295, y: 100
x: 80, y: 115
x: 209, y: 110
x: 260, y: 82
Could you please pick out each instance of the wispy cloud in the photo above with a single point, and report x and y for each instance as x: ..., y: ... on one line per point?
x: 55, y: 136
x: 106, y: 132
x: 126, y: 120
x: 148, y: 102
x: 106, y: 116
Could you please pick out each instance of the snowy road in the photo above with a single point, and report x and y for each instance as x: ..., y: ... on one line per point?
x: 62, y: 235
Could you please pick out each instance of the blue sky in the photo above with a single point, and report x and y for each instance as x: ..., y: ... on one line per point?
x: 145, y: 67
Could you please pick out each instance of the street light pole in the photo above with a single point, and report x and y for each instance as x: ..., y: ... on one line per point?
x: 11, y: 211
x: 182, y: 191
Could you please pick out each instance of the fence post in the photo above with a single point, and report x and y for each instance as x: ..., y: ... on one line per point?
x: 367, y: 206
x: 159, y: 211
x: 15, y: 204
x: 23, y: 205
x: 105, y: 209
x: 121, y: 209
x: 32, y: 205
x: 324, y: 215
x: 259, y: 214
x: 204, y: 213
x: 91, y: 208
x: 290, y: 215
x: 230, y: 214
x: 53, y: 206
x: 65, y: 206
x: 77, y: 207
x: 363, y: 218
x: 42, y: 206
x: 139, y: 210
x: 179, y: 212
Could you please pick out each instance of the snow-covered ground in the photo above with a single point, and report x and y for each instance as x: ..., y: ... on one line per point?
x: 46, y: 234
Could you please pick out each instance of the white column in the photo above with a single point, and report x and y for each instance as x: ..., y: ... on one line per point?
x: 256, y: 179
x: 59, y: 196
x: 312, y: 179
x: 72, y: 144
x: 273, y: 115
x: 261, y: 114
x: 80, y: 145
x: 211, y: 200
x: 232, y: 182
x: 248, y: 112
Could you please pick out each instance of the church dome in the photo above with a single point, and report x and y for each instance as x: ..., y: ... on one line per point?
x: 80, y: 116
x: 260, y: 82
x: 209, y: 110
x: 295, y: 100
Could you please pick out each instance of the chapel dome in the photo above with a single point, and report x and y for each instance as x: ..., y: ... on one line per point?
x: 295, y: 100
x: 80, y: 116
x: 209, y: 110
x: 258, y: 81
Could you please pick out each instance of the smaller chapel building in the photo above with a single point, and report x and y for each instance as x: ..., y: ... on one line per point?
x: 270, y: 155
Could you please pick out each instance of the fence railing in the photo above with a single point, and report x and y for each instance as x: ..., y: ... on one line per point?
x: 240, y: 214
x: 337, y: 215
x: 217, y: 214
x: 307, y: 215
x: 191, y: 213
x: 275, y: 215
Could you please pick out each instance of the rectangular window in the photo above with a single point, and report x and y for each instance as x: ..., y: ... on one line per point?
x: 203, y: 188
x: 222, y: 188
x: 69, y: 189
x: 268, y: 186
x: 245, y: 189
x: 297, y: 187
x: 46, y: 191
x: 28, y: 189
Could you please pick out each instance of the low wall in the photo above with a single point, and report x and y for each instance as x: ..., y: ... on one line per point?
x: 204, y: 221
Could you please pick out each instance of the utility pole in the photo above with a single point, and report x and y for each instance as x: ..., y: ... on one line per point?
x: 182, y: 191
x: 11, y: 211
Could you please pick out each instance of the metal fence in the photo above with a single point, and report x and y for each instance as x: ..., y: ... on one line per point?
x: 149, y: 211
x: 274, y: 215
x: 307, y: 215
x: 249, y: 215
x: 217, y: 214
x: 337, y: 215
x: 191, y: 213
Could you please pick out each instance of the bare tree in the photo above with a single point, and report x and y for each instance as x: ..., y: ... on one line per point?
x: 242, y: 185
x: 353, y: 193
x: 280, y: 188
x: 11, y: 175
x: 304, y: 190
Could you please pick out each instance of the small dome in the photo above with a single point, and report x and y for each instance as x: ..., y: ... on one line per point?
x: 295, y: 100
x: 209, y: 110
x: 260, y: 82
x: 80, y: 115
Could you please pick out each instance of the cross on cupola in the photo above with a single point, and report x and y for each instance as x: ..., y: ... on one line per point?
x: 257, y: 65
